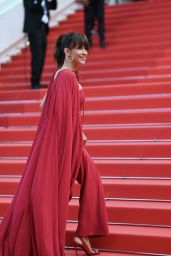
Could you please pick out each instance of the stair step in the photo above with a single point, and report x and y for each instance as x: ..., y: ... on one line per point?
x: 105, y: 56
x: 112, y: 20
x: 114, y: 188
x: 129, y: 15
x: 135, y: 213
x: 97, y: 103
x: 72, y: 253
x: 139, y: 189
x: 148, y: 48
x: 103, y: 73
x: 145, y: 46
x: 90, y: 91
x: 121, y: 212
x: 119, y: 56
x: 136, y: 132
x: 108, y: 74
x: 120, y: 168
x: 25, y: 69
x: 129, y: 149
x: 164, y: 78
x: 113, y: 74
x: 128, y: 238
x: 95, y: 64
x: 100, y: 149
x: 96, y: 117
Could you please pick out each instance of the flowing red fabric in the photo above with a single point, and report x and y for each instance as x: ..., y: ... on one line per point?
x: 35, y: 224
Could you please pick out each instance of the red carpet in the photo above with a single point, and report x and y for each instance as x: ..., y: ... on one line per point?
x: 127, y: 122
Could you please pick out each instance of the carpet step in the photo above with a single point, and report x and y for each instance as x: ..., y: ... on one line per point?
x: 123, y: 10
x: 121, y: 149
x: 21, y: 68
x: 128, y: 40
x: 128, y: 29
x: 22, y: 95
x: 102, y: 90
x: 164, y: 78
x: 101, y: 149
x: 155, y: 78
x: 122, y: 23
x: 104, y: 73
x: 80, y: 252
x: 90, y: 82
x: 132, y: 24
x: 145, y: 46
x: 88, y: 74
x: 116, y: 168
x: 24, y: 68
x: 143, y: 57
x: 127, y: 116
x: 136, y: 132
x: 99, y: 81
x: 97, y: 103
x: 118, y: 56
x: 123, y: 36
x: 117, y: 50
x: 93, y: 91
x: 135, y: 213
x: 135, y: 189
x: 140, y: 19
x: 96, y: 117
x: 128, y: 238
x: 113, y: 188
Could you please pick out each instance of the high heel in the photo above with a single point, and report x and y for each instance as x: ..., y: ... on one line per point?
x: 76, y: 252
x: 86, y: 248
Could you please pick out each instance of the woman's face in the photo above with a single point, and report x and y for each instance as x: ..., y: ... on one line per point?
x: 78, y: 56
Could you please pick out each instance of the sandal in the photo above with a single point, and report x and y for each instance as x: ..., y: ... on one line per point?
x: 86, y: 248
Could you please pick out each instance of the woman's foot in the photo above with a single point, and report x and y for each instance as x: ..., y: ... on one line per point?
x: 85, y: 244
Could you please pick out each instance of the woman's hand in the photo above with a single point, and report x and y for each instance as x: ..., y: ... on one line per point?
x: 84, y: 138
x: 42, y: 102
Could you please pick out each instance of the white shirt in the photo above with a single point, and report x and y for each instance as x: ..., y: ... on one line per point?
x: 45, y: 18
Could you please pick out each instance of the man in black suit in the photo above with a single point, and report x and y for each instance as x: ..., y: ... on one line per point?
x: 94, y: 10
x: 36, y: 25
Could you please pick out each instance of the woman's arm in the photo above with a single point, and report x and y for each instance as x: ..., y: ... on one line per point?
x: 42, y: 102
x: 84, y: 138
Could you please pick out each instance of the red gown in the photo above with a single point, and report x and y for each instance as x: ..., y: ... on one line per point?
x: 35, y: 223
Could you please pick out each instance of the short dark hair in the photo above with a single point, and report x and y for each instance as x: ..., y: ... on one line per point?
x: 69, y: 40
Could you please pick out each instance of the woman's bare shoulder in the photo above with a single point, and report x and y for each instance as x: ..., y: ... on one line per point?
x: 64, y: 73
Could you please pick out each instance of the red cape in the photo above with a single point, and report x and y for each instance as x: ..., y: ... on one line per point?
x: 36, y: 221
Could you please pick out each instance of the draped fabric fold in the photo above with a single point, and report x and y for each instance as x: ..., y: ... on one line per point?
x: 36, y: 220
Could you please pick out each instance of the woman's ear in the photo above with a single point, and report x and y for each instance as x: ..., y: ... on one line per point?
x: 67, y: 52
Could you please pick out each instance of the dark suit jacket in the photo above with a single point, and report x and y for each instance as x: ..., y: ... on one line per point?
x: 34, y: 12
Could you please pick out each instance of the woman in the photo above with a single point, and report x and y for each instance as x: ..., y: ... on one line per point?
x: 36, y: 221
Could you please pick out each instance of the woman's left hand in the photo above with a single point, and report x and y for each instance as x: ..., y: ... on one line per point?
x: 84, y: 138
x: 42, y: 102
